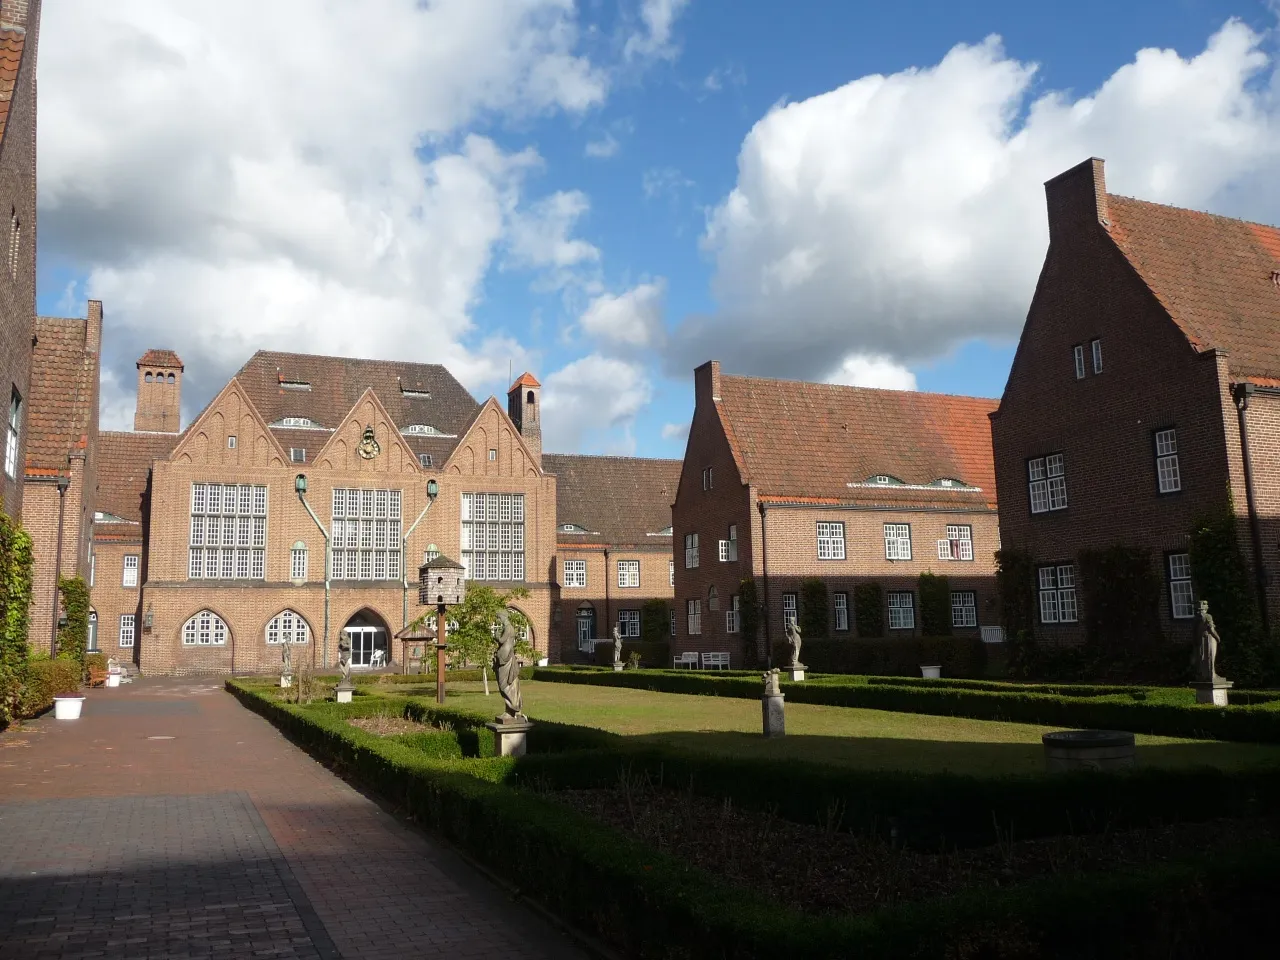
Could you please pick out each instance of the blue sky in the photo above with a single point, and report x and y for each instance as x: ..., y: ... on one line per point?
x: 887, y: 232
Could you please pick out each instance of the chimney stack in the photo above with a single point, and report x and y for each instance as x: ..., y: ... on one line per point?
x: 1077, y: 199
x: 159, y: 407
x: 93, y: 328
x: 706, y: 383
x: 13, y: 13
x: 523, y: 400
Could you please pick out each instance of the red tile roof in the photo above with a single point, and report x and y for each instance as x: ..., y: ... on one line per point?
x: 60, y: 406
x: 11, y: 44
x: 617, y: 500
x: 124, y: 461
x: 1215, y: 276
x: 805, y: 442
x: 525, y: 380
x: 160, y: 358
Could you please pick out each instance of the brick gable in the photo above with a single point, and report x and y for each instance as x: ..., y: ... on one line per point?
x: 230, y: 414
x: 342, y: 451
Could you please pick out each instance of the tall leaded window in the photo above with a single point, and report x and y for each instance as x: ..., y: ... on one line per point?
x: 1167, y: 472
x: 575, y: 573
x: 629, y: 623
x: 1096, y: 347
x: 228, y: 532
x: 897, y: 541
x: 1181, y: 596
x: 1078, y: 352
x: 1058, y: 593
x: 842, y: 610
x: 964, y: 609
x: 493, y: 536
x: 204, y: 629
x: 830, y: 540
x: 15, y: 433
x: 127, y: 629
x: 298, y: 561
x: 959, y: 543
x: 1047, y: 482
x: 729, y: 548
x: 902, y: 611
x: 288, y: 627
x: 129, y: 578
x: 365, y: 534
x: 733, y: 616
x: 789, y: 608
x: 690, y: 550
x: 628, y: 573
x: 694, y: 611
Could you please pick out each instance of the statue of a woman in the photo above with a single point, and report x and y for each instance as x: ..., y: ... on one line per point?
x: 617, y: 645
x: 286, y: 660
x: 793, y: 641
x: 344, y: 660
x: 1207, y: 641
x: 507, y: 669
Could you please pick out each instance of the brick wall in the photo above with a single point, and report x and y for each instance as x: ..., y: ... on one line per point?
x: 602, y: 595
x: 111, y: 599
x: 1263, y: 423
x: 159, y: 406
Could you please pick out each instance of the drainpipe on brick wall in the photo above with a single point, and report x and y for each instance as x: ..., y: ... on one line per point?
x: 764, y: 566
x: 433, y: 491
x: 1241, y: 392
x: 63, y: 483
x: 300, y: 487
x: 607, y: 623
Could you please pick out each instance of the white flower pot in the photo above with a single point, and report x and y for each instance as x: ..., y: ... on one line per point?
x: 113, y: 679
x: 545, y: 661
x: 67, y: 708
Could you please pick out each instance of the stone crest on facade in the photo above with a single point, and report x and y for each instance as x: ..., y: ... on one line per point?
x: 369, y: 447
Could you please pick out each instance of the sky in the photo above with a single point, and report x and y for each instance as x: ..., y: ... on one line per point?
x: 608, y: 193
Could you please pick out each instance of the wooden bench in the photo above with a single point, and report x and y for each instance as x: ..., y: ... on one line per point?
x: 688, y: 660
x: 715, y: 661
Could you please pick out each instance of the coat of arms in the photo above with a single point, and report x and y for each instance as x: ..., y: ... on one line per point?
x: 369, y: 444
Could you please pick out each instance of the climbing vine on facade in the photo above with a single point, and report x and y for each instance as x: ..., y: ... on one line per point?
x: 73, y: 636
x: 15, y: 600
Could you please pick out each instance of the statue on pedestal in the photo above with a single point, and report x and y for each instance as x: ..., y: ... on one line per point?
x: 344, y: 661
x: 617, y: 645
x: 286, y: 660
x: 507, y: 669
x: 793, y: 641
x: 1206, y: 648
x: 771, y: 688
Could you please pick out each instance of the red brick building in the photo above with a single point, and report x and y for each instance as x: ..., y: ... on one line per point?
x: 784, y: 481
x: 19, y: 37
x: 1149, y: 361
x: 613, y: 532
x: 60, y: 473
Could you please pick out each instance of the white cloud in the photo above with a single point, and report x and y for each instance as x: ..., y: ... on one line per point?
x: 732, y: 75
x: 631, y: 319
x: 898, y: 215
x: 592, y: 403
x: 309, y: 182
x: 654, y: 40
x: 658, y: 182
x: 675, y: 432
x: 864, y: 371
x: 540, y: 236
x: 606, y: 146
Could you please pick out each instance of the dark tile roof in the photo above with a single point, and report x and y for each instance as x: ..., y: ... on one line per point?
x: 124, y: 460
x: 60, y: 407
x: 1216, y: 277
x: 11, y: 44
x: 797, y: 441
x: 617, y: 499
x: 160, y: 358
x: 336, y: 383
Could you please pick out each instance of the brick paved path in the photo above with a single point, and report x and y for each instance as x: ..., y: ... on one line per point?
x: 224, y: 840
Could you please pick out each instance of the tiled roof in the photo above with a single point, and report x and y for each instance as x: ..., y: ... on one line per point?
x: 124, y: 460
x: 1216, y: 277
x: 525, y: 380
x: 796, y: 440
x: 274, y: 382
x: 60, y: 405
x: 160, y: 358
x: 616, y: 499
x: 11, y: 44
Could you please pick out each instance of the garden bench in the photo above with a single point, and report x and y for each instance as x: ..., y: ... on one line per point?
x: 689, y: 660
x: 993, y: 634
x: 715, y: 661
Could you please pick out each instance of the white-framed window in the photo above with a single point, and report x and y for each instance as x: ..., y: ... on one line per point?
x: 690, y: 550
x: 298, y: 454
x: 959, y: 543
x: 231, y: 442
x: 673, y: 621
x: 1078, y: 351
x: 628, y: 573
x: 204, y: 629
x: 298, y: 561
x: 365, y: 538
x: 15, y: 434
x: 287, y: 626
x: 424, y: 460
x: 729, y: 548
x: 128, y: 629
x: 493, y: 536
x: 93, y: 566
x: 693, y: 610
x: 1058, y: 593
x: 713, y: 599
x: 841, y: 601
x: 1181, y: 596
x: 831, y: 540
x: 228, y: 534
x: 1047, y: 482
x: 1096, y: 347
x: 629, y: 623
x: 671, y: 573
x: 897, y: 541
x: 1167, y: 473
x: 964, y: 608
x: 130, y: 576
x: 707, y: 478
x: 789, y: 608
x: 902, y: 610
x: 733, y: 616
x: 493, y: 454
x: 575, y: 573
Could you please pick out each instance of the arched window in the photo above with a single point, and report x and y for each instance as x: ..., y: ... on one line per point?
x: 713, y: 599
x: 529, y: 398
x: 298, y: 561
x: 288, y: 627
x: 169, y: 378
x: 148, y: 377
x: 206, y: 628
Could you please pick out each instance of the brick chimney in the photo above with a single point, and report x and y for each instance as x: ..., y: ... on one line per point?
x: 706, y: 383
x: 93, y: 328
x: 523, y: 400
x: 159, y: 407
x: 13, y: 13
x: 1077, y: 199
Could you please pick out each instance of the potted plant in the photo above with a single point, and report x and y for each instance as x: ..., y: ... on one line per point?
x: 67, y: 701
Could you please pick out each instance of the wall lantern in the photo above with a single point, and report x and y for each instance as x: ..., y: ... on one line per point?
x: 148, y: 619
x: 300, y: 484
x: 433, y: 489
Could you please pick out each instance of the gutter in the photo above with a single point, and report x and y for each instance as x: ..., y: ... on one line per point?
x: 1240, y: 393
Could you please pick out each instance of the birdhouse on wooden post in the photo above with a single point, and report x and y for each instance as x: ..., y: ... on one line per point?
x: 441, y: 581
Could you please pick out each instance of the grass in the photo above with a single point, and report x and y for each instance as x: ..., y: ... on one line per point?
x: 869, y: 739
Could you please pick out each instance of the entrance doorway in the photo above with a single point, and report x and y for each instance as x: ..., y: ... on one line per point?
x: 367, y: 635
x: 91, y: 646
x: 586, y: 627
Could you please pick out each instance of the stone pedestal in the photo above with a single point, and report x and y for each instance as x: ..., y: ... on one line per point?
x: 795, y: 672
x: 286, y: 681
x: 617, y: 667
x: 930, y: 672
x: 343, y: 691
x: 1088, y: 750
x: 774, y: 713
x: 1212, y: 691
x: 510, y: 735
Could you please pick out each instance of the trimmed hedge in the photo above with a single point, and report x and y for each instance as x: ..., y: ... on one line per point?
x: 1249, y: 724
x: 653, y: 905
x: 43, y: 680
x: 958, y: 656
x: 652, y: 654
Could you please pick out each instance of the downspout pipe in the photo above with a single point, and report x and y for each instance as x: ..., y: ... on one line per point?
x: 608, y: 624
x: 1241, y: 393
x: 404, y: 558
x: 764, y: 566
x: 327, y: 566
x: 63, y: 483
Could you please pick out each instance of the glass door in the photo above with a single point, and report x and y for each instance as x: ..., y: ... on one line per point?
x: 586, y: 628
x: 362, y: 645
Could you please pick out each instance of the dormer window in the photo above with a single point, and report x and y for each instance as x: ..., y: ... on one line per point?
x: 410, y: 393
x: 420, y: 430
x: 299, y: 385
x: 884, y: 480
x: 664, y: 532
x: 305, y: 423
x: 572, y: 528
x: 947, y: 482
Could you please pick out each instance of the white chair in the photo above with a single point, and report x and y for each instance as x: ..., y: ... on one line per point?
x: 378, y: 660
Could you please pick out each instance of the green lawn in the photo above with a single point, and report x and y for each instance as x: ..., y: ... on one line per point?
x: 840, y: 735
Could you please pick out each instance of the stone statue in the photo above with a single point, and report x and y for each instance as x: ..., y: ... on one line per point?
x: 1206, y: 649
x: 344, y: 661
x: 112, y: 664
x: 771, y: 688
x: 617, y: 645
x: 507, y: 669
x: 793, y: 641
x: 286, y: 660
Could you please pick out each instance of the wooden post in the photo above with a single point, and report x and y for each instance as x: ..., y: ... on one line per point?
x: 441, y: 646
